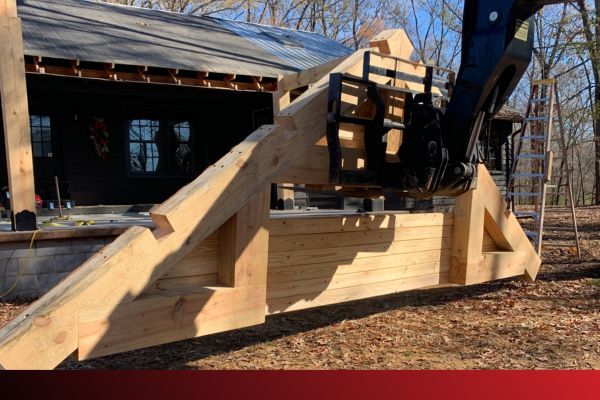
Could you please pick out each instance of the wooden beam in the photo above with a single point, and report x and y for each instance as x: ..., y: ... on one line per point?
x: 164, y: 319
x: 504, y: 223
x: 327, y: 270
x: 501, y: 264
x: 256, y: 80
x: 109, y: 71
x: 37, y: 60
x: 47, y: 333
x: 202, y: 76
x: 393, y: 42
x: 229, y: 81
x: 483, y: 210
x: 281, y: 97
x: 329, y: 240
x: 355, y: 223
x: 184, y: 311
x: 75, y: 67
x: 322, y: 298
x: 138, y: 76
x: 467, y: 242
x: 173, y: 74
x: 15, y: 115
x: 308, y: 76
x: 286, y: 192
x: 313, y: 168
x: 244, y: 244
x: 142, y: 73
x: 8, y: 8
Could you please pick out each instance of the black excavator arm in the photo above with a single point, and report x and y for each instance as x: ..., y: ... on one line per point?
x: 496, y: 51
x: 439, y: 152
x: 497, y: 46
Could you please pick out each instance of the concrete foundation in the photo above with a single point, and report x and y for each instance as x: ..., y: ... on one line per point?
x: 39, y: 269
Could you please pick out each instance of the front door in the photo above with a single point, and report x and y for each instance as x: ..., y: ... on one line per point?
x: 45, y: 160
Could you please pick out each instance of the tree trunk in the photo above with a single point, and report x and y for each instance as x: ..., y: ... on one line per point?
x: 591, y: 29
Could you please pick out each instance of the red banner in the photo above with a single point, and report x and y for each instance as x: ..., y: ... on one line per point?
x: 88, y: 385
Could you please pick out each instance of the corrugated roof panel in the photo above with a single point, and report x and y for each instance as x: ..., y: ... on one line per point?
x: 101, y: 32
x: 300, y: 49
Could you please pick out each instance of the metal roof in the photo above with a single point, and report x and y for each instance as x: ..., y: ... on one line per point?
x: 508, y: 113
x: 101, y: 32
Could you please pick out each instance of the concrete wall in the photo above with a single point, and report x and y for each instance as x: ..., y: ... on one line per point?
x: 46, y: 264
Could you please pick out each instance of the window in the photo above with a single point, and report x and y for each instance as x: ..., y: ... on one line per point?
x: 41, y: 136
x: 160, y: 147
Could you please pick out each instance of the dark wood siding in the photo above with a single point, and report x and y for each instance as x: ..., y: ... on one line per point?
x: 220, y: 119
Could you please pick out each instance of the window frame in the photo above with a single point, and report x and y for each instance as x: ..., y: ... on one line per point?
x: 169, y: 173
x: 43, y: 143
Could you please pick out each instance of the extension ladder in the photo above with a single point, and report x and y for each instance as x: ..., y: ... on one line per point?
x: 533, y: 188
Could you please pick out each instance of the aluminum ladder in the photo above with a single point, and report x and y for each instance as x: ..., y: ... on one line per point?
x: 533, y: 188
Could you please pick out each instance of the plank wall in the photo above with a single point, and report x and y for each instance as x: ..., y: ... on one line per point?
x: 316, y: 261
x: 320, y: 261
x: 198, y: 269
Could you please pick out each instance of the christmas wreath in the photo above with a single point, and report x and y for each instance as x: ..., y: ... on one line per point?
x: 99, y: 137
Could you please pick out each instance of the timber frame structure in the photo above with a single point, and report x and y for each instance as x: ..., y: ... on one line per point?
x: 217, y: 260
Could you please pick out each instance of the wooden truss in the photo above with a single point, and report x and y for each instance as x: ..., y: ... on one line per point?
x: 218, y: 261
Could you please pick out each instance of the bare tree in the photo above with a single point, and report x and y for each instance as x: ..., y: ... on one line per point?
x: 433, y: 26
x: 590, y: 16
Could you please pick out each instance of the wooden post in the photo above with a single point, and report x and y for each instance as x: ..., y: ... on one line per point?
x: 483, y: 211
x: 8, y: 8
x: 287, y: 193
x: 15, y: 115
x: 281, y: 99
x: 467, y: 242
x: 244, y: 245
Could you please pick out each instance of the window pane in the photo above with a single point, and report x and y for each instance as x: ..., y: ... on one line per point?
x: 143, y: 151
x: 45, y: 121
x: 180, y: 156
x: 146, y: 132
x: 46, y: 134
x: 143, y: 129
x: 152, y: 157
x: 136, y: 157
x: 34, y: 120
x: 38, y: 151
x: 36, y: 133
x: 134, y: 133
x: 149, y: 130
x: 183, y: 158
x: 47, y: 148
x: 182, y: 131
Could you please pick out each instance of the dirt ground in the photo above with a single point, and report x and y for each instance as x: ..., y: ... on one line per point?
x: 553, y: 323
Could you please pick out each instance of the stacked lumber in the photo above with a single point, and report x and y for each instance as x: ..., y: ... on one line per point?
x: 197, y: 269
x: 320, y: 261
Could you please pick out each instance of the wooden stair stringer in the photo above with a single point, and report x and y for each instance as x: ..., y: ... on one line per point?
x: 46, y: 333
